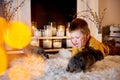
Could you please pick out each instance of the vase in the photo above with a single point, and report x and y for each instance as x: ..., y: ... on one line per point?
x: 99, y: 37
x: 99, y: 29
x: 99, y: 34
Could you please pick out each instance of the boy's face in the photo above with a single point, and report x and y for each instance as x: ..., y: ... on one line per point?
x: 78, y: 39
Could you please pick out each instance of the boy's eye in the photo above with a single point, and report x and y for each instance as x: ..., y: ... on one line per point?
x: 77, y: 37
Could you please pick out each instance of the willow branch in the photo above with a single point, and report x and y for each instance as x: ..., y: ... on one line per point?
x: 15, y: 10
x: 9, y: 10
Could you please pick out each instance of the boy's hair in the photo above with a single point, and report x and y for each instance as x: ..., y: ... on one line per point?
x: 80, y: 24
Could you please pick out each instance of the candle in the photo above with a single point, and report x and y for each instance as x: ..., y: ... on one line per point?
x: 54, y: 31
x: 57, y: 43
x: 47, y: 43
x: 53, y: 25
x: 37, y: 33
x: 33, y: 27
x: 47, y: 30
x: 67, y: 29
x: 69, y: 43
x: 60, y: 30
x: 34, y: 42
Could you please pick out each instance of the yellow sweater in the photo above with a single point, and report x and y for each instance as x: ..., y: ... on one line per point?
x: 96, y: 45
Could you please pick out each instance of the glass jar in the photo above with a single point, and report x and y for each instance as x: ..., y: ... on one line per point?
x: 60, y: 30
x: 47, y: 43
x: 53, y: 25
x: 68, y: 41
x: 47, y: 31
x: 33, y: 27
x: 34, y: 42
x: 57, y: 43
x: 67, y: 29
x: 37, y: 33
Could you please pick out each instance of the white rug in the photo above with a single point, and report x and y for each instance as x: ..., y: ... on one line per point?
x: 107, y: 69
x: 55, y: 69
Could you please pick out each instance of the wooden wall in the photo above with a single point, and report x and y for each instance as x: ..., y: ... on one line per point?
x: 112, y: 15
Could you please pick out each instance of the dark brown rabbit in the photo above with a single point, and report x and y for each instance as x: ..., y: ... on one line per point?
x: 84, y: 59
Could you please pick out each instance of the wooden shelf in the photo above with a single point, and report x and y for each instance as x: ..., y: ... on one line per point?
x: 46, y: 50
x: 55, y: 50
x: 65, y: 37
x: 113, y: 36
x: 15, y: 51
x: 53, y: 37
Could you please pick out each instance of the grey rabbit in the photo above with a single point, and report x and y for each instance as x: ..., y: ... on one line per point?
x: 36, y: 50
x: 82, y: 60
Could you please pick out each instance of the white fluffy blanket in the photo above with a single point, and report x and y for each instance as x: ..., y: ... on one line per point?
x: 55, y: 69
x: 107, y: 69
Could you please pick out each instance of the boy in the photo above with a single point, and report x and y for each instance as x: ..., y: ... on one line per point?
x: 80, y: 37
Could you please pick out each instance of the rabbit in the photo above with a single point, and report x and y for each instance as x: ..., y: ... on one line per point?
x: 82, y: 60
x: 35, y: 50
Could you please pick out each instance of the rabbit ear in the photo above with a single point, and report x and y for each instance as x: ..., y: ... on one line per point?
x: 46, y: 55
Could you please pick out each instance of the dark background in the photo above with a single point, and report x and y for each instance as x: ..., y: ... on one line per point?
x: 59, y: 11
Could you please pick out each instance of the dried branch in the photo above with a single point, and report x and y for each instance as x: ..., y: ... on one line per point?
x: 97, y: 19
x: 9, y: 10
x: 15, y: 10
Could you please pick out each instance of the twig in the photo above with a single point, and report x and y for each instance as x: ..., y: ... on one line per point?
x: 15, y: 10
x: 8, y: 9
x: 95, y: 18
